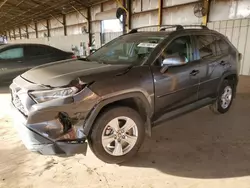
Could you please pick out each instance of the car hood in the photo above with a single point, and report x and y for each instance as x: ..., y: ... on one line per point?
x: 61, y: 73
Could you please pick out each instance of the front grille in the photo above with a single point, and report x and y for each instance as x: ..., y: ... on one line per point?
x: 18, y: 103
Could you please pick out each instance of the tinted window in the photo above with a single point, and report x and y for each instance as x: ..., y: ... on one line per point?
x: 222, y: 46
x: 13, y: 53
x: 38, y: 50
x: 181, y: 46
x: 206, y: 46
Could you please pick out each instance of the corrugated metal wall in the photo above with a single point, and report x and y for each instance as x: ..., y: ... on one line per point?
x: 146, y: 14
x: 238, y: 32
x: 232, y: 18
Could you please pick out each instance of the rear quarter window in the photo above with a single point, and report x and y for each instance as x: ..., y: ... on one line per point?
x: 222, y: 46
x: 206, y: 45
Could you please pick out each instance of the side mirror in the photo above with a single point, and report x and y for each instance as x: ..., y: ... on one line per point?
x: 172, y: 61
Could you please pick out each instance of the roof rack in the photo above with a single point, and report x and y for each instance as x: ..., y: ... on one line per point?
x: 165, y: 27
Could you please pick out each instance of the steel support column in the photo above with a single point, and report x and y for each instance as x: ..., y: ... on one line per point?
x: 6, y: 35
x: 36, y: 30
x: 64, y: 25
x: 9, y: 35
x: 160, y: 12
x: 48, y: 27
x: 14, y: 32
x: 89, y: 25
x: 129, y: 15
x: 206, y: 4
x: 27, y: 31
x: 20, y: 33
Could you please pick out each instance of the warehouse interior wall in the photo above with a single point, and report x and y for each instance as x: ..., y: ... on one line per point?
x: 230, y: 17
x: 144, y: 13
x: 63, y: 42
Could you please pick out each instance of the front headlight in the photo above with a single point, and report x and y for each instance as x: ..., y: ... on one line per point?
x: 47, y: 95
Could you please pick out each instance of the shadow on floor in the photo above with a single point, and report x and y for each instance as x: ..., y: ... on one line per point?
x: 201, y: 144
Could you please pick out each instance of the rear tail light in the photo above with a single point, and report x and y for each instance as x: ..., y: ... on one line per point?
x: 73, y: 57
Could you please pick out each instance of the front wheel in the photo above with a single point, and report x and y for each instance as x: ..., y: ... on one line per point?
x: 225, y: 98
x: 117, y: 135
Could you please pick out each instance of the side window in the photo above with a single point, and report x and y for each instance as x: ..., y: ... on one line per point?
x: 206, y: 45
x: 50, y: 50
x: 13, y: 53
x: 31, y: 51
x: 222, y: 46
x: 181, y: 46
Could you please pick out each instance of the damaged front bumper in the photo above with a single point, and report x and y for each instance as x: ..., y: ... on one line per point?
x: 54, y: 127
x: 41, y: 143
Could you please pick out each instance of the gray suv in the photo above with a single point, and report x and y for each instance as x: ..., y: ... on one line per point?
x: 114, y: 97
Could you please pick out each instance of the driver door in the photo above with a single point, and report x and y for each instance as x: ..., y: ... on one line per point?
x: 178, y: 86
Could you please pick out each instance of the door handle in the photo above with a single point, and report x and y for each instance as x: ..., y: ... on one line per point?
x: 194, y: 72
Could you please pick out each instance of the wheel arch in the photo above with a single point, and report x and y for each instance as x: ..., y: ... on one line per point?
x: 231, y: 76
x: 136, y: 100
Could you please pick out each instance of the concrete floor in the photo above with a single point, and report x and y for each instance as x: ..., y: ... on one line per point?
x: 197, y: 150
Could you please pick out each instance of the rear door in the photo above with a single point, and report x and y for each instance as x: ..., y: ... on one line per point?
x: 211, y: 65
x: 11, y: 63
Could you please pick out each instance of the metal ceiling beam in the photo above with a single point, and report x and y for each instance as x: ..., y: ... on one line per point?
x: 40, y: 11
x: 2, y: 4
x: 79, y: 12
x: 81, y: 3
x: 25, y: 13
x: 34, y: 28
x: 12, y: 8
x: 56, y: 19
x: 27, y: 21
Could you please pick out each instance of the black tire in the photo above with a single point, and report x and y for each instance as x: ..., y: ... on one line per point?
x: 216, y: 107
x: 95, y: 138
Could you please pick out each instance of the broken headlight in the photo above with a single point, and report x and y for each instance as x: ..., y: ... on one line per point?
x: 47, y: 95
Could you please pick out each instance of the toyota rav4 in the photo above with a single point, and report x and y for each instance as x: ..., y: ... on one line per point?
x: 114, y: 97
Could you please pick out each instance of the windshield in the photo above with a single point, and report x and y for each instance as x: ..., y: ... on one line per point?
x: 128, y: 49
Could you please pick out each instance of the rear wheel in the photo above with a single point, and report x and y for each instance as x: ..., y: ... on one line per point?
x: 117, y: 135
x: 225, y: 98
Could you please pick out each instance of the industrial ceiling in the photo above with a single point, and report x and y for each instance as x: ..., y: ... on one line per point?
x: 15, y: 13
